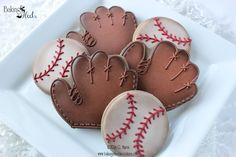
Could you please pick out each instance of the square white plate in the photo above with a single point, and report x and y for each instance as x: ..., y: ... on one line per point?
x: 30, y: 113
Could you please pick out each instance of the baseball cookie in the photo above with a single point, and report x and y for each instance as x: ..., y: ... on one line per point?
x: 108, y: 30
x: 135, y: 123
x: 54, y: 60
x: 97, y: 80
x: 168, y: 74
x: 157, y: 29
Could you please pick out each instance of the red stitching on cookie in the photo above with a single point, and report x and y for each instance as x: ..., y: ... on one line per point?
x: 147, y: 38
x: 65, y: 69
x: 143, y: 130
x: 126, y: 124
x: 53, y: 64
x: 174, y: 38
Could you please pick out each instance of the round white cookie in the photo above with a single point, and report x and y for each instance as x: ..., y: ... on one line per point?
x: 54, y: 61
x: 157, y: 29
x: 135, y: 123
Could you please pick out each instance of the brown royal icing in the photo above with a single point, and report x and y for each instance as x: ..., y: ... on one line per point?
x: 168, y: 74
x: 97, y: 80
x: 108, y: 30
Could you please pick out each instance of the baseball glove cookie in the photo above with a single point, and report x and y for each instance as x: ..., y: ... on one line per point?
x: 108, y: 30
x: 168, y: 74
x: 97, y: 80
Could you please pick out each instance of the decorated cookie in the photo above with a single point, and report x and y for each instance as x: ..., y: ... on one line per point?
x: 108, y: 30
x: 54, y: 60
x: 97, y: 80
x: 168, y: 74
x: 136, y: 55
x: 135, y: 123
x: 157, y: 29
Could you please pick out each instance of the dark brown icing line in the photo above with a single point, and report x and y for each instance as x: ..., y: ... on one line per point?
x: 143, y: 66
x: 124, y: 17
x: 133, y: 16
x: 88, y: 39
x: 75, y: 95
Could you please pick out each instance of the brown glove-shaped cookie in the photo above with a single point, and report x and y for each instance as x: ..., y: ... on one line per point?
x: 108, y: 30
x: 168, y: 74
x: 97, y: 80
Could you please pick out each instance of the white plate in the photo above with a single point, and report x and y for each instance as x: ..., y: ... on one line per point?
x: 30, y: 113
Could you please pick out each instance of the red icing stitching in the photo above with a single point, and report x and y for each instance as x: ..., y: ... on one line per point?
x: 65, y: 69
x: 143, y: 130
x: 54, y: 63
x: 174, y: 38
x: 127, y: 123
x: 147, y: 38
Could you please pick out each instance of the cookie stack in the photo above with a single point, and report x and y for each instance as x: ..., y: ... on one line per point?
x: 119, y: 77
